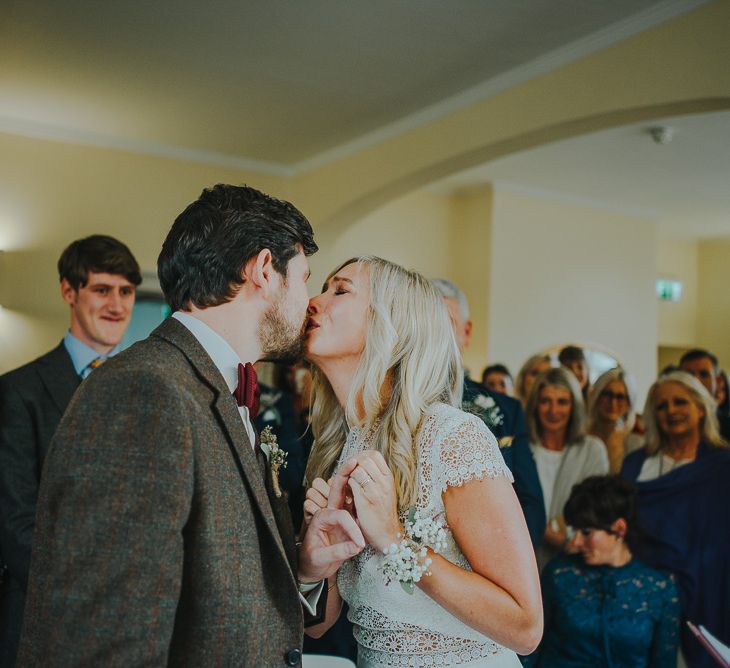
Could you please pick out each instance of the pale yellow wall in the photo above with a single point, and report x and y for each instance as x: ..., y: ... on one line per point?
x: 713, y: 326
x: 563, y: 272
x: 52, y: 193
x: 471, y: 215
x: 438, y: 236
x: 678, y: 67
x: 677, y: 323
x: 412, y: 231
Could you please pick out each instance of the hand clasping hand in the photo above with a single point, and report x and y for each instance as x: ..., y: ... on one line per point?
x: 332, y: 534
x: 373, y: 489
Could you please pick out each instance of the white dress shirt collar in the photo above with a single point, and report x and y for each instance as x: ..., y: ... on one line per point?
x: 220, y: 351
x: 224, y: 357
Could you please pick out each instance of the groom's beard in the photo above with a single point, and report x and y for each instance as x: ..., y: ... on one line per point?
x: 281, y: 340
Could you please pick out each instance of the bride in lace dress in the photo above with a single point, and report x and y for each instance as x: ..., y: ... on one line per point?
x: 389, y: 440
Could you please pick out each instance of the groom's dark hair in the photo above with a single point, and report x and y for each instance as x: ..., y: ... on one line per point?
x: 202, y: 259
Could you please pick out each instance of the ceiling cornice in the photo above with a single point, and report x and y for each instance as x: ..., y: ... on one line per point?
x: 553, y: 60
x: 36, y: 130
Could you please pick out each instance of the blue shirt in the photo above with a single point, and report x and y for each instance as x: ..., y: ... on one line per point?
x: 82, y: 355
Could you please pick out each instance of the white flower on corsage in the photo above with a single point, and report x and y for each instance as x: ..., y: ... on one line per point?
x: 275, y: 455
x: 486, y: 408
x: 483, y: 402
x: 407, y: 561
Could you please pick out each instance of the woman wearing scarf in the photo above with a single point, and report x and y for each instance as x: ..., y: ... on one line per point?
x: 683, y: 478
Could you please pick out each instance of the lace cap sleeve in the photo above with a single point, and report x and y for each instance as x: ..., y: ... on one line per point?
x: 467, y: 451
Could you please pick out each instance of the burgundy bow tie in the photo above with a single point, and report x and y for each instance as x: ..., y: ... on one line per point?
x: 248, y: 392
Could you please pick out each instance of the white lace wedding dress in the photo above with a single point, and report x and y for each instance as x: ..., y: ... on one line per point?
x: 393, y: 628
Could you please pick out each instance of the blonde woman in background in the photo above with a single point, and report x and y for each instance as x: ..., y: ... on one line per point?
x: 390, y: 436
x: 612, y: 414
x: 530, y: 370
x: 564, y: 453
x: 683, y: 479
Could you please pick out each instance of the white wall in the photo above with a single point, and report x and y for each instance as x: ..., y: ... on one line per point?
x: 713, y: 326
x: 563, y: 272
x: 52, y: 193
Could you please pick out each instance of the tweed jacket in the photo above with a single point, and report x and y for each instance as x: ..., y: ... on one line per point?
x: 32, y: 401
x: 157, y: 542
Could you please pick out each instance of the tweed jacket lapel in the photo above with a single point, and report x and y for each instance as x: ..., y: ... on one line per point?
x: 59, y: 376
x: 229, y: 417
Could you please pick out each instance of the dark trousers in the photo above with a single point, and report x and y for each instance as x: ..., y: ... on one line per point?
x: 12, y: 602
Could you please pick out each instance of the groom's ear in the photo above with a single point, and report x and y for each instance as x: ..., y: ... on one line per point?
x: 258, y: 270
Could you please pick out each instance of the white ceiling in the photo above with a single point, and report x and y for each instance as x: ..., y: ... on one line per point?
x: 683, y: 185
x: 284, y: 85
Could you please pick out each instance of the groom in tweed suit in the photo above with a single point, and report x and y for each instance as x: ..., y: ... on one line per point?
x: 158, y: 539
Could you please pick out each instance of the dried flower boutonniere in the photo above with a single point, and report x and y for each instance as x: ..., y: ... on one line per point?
x: 275, y: 455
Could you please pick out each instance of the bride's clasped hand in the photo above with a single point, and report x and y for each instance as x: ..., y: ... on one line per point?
x: 364, y: 486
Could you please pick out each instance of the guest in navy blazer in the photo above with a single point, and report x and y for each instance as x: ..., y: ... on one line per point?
x: 502, y: 414
x: 98, y: 278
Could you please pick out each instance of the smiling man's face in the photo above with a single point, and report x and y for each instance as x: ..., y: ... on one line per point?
x: 100, y: 310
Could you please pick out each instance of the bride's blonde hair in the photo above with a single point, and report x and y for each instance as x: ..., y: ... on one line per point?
x: 410, y: 361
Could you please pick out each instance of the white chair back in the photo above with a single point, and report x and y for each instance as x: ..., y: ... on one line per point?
x: 323, y: 661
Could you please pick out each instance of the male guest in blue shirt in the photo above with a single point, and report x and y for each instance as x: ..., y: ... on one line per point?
x: 502, y: 414
x: 99, y: 276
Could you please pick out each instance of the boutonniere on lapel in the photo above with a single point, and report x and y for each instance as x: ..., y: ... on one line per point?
x: 486, y: 408
x: 275, y: 455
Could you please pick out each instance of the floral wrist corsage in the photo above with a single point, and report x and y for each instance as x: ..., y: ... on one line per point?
x: 407, y: 561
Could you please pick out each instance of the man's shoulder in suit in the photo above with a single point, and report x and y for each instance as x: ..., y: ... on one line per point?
x: 507, y: 407
x: 28, y: 373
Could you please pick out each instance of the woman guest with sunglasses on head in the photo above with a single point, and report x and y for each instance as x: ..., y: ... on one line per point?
x: 604, y: 607
x: 612, y: 414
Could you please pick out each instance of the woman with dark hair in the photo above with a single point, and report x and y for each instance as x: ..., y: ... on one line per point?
x: 564, y: 453
x: 604, y: 607
x: 683, y: 478
x: 497, y: 378
x: 574, y: 359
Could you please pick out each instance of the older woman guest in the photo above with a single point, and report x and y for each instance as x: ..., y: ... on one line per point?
x: 683, y: 478
x: 530, y: 370
x: 564, y: 453
x: 604, y: 607
x: 611, y: 415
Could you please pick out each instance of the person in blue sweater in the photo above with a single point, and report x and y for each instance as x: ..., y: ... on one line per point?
x: 604, y: 607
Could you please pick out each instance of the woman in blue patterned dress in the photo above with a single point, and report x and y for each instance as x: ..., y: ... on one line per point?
x: 604, y: 607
